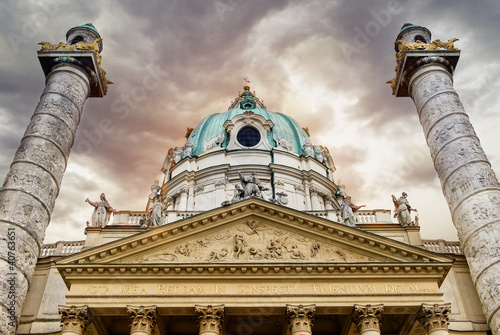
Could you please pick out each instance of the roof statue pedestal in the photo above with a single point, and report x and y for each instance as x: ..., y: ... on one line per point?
x: 30, y: 189
x: 425, y: 73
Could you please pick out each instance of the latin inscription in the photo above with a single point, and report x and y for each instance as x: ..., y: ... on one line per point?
x: 255, y: 289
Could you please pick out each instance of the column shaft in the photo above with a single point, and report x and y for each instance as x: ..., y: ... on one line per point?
x: 30, y: 189
x: 468, y: 182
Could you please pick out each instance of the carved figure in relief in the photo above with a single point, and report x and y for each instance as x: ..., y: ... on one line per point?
x: 315, y: 249
x: 255, y: 253
x: 102, y: 211
x: 239, y: 245
x: 295, y: 253
x: 252, y: 186
x: 218, y: 256
x: 403, y: 209
x: 274, y: 250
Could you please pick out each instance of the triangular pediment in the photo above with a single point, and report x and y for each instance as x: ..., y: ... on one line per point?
x: 254, y: 231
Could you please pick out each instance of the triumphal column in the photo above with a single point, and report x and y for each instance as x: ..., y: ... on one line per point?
x: 425, y: 73
x: 73, y: 73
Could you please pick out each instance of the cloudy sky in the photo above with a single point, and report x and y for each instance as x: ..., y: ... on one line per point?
x: 325, y: 63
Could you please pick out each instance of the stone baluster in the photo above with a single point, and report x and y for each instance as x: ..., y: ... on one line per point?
x: 142, y: 319
x: 29, y: 192
x: 300, y: 318
x: 468, y: 182
x: 434, y: 318
x: 367, y: 318
x: 210, y: 319
x: 74, y: 319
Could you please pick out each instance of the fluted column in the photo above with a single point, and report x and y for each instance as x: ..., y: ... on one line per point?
x: 74, y: 319
x: 210, y: 319
x: 467, y: 180
x: 142, y: 319
x: 30, y: 189
x: 434, y: 318
x: 367, y: 318
x: 300, y: 318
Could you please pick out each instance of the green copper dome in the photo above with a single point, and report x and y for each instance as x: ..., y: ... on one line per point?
x: 212, y: 126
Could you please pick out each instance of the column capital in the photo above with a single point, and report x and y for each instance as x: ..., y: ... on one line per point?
x: 142, y: 318
x: 300, y: 318
x: 367, y: 317
x: 210, y: 318
x: 74, y: 319
x: 434, y: 316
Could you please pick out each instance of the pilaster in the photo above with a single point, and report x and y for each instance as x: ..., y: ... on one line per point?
x: 367, y: 318
x: 142, y: 319
x: 300, y: 318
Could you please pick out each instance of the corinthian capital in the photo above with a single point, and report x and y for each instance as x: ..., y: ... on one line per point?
x: 74, y: 319
x: 142, y: 318
x: 210, y: 318
x: 367, y: 317
x: 300, y: 318
x: 435, y: 316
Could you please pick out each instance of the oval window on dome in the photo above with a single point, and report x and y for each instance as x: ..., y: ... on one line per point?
x: 248, y: 137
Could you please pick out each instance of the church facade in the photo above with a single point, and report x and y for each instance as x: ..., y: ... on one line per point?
x: 248, y: 233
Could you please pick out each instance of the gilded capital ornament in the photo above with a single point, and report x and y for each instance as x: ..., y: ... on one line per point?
x: 300, y: 318
x: 367, y: 317
x: 74, y: 319
x: 142, y: 318
x: 434, y: 317
x: 210, y: 318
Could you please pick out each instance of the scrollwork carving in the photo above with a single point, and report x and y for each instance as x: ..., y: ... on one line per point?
x: 74, y: 318
x: 142, y: 318
x: 210, y: 318
x: 367, y: 317
x: 300, y: 318
x: 435, y: 316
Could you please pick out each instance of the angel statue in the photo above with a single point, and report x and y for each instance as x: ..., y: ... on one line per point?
x: 403, y: 209
x: 102, y: 211
x: 252, y: 186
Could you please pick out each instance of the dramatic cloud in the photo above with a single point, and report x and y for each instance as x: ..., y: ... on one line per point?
x: 325, y: 63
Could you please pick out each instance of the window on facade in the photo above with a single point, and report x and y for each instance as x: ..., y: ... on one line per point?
x: 248, y: 137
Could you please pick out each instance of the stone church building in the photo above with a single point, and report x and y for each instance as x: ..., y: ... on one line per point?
x: 250, y: 234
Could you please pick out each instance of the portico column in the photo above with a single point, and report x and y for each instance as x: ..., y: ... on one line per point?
x: 434, y: 318
x: 142, y: 319
x: 300, y: 318
x: 425, y: 73
x: 367, y: 318
x: 210, y: 319
x: 74, y: 319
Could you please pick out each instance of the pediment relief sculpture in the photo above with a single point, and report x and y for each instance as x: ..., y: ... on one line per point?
x: 253, y: 241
